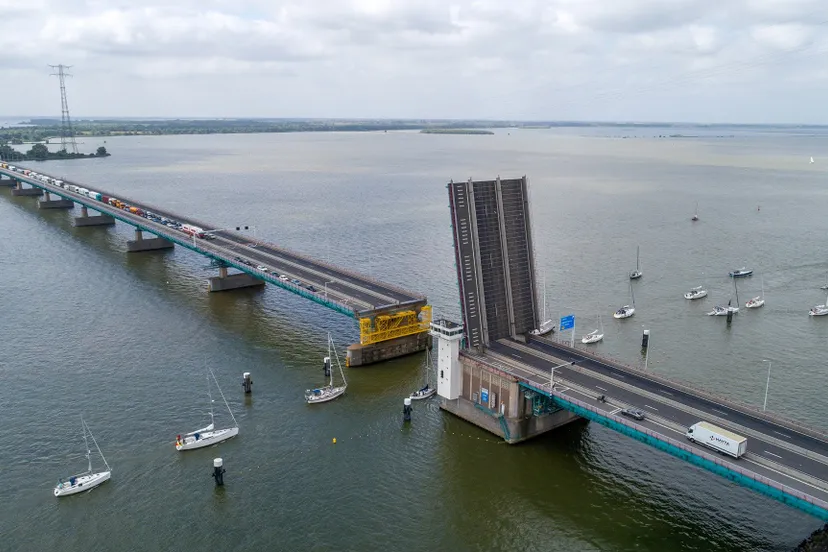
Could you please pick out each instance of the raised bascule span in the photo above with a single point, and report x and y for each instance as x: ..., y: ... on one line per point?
x: 392, y: 321
x: 495, y: 374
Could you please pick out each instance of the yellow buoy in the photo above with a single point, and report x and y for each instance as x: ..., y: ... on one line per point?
x: 334, y: 440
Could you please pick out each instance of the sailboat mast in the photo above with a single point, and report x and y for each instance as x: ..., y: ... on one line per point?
x: 736, y: 289
x: 99, y: 450
x: 223, y: 399
x: 632, y: 295
x: 544, y: 298
x: 637, y: 250
x: 210, y: 395
x: 86, y: 442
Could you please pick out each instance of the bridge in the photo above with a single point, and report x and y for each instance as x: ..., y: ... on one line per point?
x: 392, y: 321
x: 493, y: 372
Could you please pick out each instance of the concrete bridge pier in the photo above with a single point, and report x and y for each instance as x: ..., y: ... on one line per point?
x: 360, y: 355
x: 59, y: 203
x: 227, y: 282
x: 19, y: 190
x: 95, y: 220
x: 9, y: 182
x: 149, y: 244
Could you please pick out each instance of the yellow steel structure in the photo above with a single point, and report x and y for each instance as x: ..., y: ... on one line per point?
x: 389, y: 326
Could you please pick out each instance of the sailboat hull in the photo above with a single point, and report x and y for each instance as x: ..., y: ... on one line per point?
x: 324, y: 394
x: 82, y: 483
x: 421, y: 394
x: 206, y: 439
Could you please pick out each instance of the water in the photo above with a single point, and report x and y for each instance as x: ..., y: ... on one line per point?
x: 125, y: 339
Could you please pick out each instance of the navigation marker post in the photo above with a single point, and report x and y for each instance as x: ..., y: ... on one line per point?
x: 568, y: 323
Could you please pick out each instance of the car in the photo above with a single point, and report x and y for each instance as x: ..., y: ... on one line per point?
x: 262, y: 268
x: 283, y: 278
x: 633, y: 413
x: 295, y: 281
x: 239, y: 260
x: 311, y: 288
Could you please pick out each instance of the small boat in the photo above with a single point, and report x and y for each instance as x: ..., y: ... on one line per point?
x: 627, y: 310
x: 759, y: 300
x: 741, y: 273
x: 330, y: 391
x: 207, y: 436
x: 87, y: 480
x: 812, y: 160
x: 696, y: 293
x: 427, y: 390
x: 824, y: 287
x: 819, y: 310
x: 695, y: 216
x: 718, y: 310
x: 548, y: 326
x: 636, y: 274
x: 595, y: 335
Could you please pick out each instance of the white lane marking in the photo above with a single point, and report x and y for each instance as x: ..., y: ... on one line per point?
x: 654, y: 408
x: 666, y: 392
x: 616, y: 411
x: 782, y: 434
x: 772, y: 454
x: 516, y: 356
x: 599, y: 387
x: 719, y: 411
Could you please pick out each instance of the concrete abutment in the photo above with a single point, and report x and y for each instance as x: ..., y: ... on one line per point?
x: 94, y: 220
x: 233, y: 281
x: 360, y: 355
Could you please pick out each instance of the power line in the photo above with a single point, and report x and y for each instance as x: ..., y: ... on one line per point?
x: 67, y: 135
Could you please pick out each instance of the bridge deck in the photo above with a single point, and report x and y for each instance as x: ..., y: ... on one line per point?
x: 343, y: 290
x: 776, y: 450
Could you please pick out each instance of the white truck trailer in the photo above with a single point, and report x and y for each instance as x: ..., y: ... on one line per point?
x: 719, y: 439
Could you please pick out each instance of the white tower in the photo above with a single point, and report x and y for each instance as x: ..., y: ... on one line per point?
x: 449, y: 372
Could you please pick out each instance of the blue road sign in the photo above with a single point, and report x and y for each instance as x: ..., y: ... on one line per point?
x: 567, y: 322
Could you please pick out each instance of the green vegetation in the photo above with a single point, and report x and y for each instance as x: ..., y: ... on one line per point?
x: 40, y: 152
x: 455, y: 131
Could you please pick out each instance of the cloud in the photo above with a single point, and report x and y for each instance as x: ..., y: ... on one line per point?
x: 534, y: 59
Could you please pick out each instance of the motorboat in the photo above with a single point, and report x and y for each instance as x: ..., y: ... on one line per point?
x: 87, y: 480
x: 718, y: 310
x: 209, y: 435
x: 696, y: 293
x: 636, y: 274
x: 592, y: 337
x: 328, y: 392
x: 741, y: 273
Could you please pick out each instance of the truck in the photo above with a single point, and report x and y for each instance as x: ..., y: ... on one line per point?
x: 718, y: 439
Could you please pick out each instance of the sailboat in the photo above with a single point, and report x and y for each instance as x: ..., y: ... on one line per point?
x: 819, y: 310
x: 547, y: 326
x: 627, y: 310
x: 207, y: 436
x: 757, y: 301
x: 427, y: 390
x: 812, y: 160
x: 88, y: 479
x: 696, y: 214
x: 636, y: 274
x: 595, y: 335
x: 696, y: 293
x: 328, y: 392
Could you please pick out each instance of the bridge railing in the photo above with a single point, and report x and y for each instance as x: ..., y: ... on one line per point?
x: 693, y: 389
x: 597, y: 414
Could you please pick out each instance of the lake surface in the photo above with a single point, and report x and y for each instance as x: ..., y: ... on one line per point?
x: 125, y: 340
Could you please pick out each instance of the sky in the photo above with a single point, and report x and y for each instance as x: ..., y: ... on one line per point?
x: 707, y: 61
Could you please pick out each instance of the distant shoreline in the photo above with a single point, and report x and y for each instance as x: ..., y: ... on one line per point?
x: 455, y: 131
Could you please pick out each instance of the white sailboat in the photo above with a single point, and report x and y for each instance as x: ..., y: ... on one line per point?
x: 595, y: 335
x: 696, y: 214
x: 696, y: 293
x: 328, y: 392
x: 427, y: 390
x: 636, y: 274
x: 88, y: 479
x: 547, y: 325
x: 207, y: 436
x: 627, y: 310
x: 819, y: 310
x: 759, y: 300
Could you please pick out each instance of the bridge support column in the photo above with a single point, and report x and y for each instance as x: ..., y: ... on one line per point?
x: 9, y: 182
x: 95, y: 220
x: 225, y: 282
x: 149, y: 244
x: 59, y: 203
x: 19, y: 190
x: 360, y: 355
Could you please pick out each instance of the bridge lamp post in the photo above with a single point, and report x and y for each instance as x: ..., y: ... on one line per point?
x: 767, y: 385
x: 326, y: 287
x: 647, y: 353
